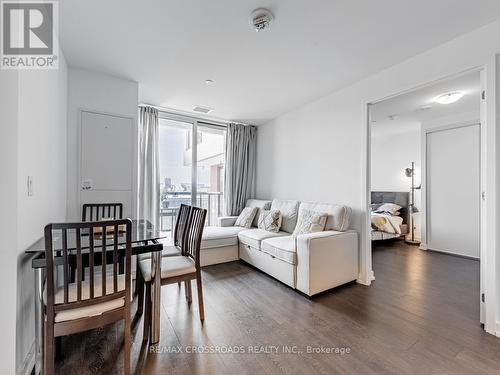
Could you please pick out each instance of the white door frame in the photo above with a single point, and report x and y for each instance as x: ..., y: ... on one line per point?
x: 488, y: 165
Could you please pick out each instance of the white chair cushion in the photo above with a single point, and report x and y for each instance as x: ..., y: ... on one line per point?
x: 168, y: 251
x: 220, y: 236
x: 338, y: 215
x: 92, y: 310
x: 283, y: 248
x: 170, y: 267
x: 253, y: 237
x: 289, y: 213
x: 261, y: 205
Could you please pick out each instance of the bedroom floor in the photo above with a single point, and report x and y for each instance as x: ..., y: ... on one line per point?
x: 420, y: 316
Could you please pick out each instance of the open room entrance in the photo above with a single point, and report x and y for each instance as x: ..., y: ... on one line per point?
x: 426, y: 184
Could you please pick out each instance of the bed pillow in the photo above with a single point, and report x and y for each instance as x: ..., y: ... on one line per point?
x: 246, y: 217
x: 270, y: 220
x: 310, y: 222
x: 390, y: 208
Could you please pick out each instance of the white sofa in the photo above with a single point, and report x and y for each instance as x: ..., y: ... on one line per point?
x: 310, y: 263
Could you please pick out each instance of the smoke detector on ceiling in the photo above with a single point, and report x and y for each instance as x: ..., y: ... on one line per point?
x: 261, y: 19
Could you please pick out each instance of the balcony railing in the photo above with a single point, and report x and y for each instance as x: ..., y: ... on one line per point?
x: 169, y: 207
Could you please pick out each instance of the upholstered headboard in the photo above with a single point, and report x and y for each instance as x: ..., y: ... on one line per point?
x: 400, y: 198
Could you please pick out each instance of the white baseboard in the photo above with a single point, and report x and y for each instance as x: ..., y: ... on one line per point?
x: 497, y: 329
x: 28, y: 363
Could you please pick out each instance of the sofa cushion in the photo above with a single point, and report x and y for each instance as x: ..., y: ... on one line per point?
x: 253, y: 237
x: 310, y: 222
x: 219, y: 237
x: 260, y: 204
x: 246, y: 217
x: 270, y: 220
x: 338, y: 215
x: 283, y: 248
x: 289, y: 213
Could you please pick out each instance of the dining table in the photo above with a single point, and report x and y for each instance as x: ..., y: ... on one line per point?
x: 145, y: 239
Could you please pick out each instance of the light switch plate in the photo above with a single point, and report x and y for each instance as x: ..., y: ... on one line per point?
x: 30, y: 186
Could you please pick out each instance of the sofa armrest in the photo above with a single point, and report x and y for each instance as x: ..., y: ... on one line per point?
x: 326, y: 260
x: 226, y: 221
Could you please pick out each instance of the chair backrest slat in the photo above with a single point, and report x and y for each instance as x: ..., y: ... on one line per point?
x: 103, y: 260
x: 64, y: 244
x: 181, y: 224
x: 115, y: 259
x: 79, y: 267
x: 91, y: 261
x: 75, y: 240
x: 97, y: 211
x: 193, y: 234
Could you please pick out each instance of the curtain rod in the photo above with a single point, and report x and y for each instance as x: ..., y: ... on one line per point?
x: 188, y: 115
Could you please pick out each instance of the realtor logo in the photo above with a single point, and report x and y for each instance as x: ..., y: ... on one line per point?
x: 29, y: 35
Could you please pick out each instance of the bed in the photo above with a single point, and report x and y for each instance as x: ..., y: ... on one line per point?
x: 386, y: 226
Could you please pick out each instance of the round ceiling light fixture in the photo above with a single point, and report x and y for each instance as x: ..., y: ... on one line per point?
x: 449, y: 97
x: 261, y: 19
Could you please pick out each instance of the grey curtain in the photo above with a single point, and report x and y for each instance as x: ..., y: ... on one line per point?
x: 239, y: 185
x: 148, y: 190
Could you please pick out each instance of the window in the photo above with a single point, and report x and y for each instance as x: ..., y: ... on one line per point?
x: 199, y: 183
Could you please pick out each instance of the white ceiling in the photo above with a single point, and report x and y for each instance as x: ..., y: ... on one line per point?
x: 407, y: 112
x: 314, y: 47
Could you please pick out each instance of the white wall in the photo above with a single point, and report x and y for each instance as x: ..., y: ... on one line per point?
x: 33, y: 143
x: 318, y: 151
x: 9, y: 97
x: 390, y: 155
x: 101, y: 93
x: 41, y: 154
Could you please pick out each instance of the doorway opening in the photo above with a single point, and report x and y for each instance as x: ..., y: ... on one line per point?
x: 426, y: 180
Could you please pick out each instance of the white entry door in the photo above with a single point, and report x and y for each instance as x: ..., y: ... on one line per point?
x: 106, y: 160
x: 453, y: 190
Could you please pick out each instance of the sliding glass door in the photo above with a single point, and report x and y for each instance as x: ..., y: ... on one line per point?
x: 191, y: 168
x: 210, y: 170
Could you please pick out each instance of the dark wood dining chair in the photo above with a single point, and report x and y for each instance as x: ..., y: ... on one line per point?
x: 180, y: 225
x: 102, y: 299
x: 98, y: 211
x: 174, y: 269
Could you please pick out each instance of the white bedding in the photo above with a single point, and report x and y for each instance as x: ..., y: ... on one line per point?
x: 386, y: 223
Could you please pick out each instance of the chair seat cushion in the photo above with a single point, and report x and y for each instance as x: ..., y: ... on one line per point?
x: 170, y: 267
x: 168, y: 251
x: 92, y: 310
x: 253, y: 237
x: 283, y: 248
x: 220, y: 236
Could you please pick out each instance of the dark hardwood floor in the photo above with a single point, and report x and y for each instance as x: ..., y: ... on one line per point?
x: 420, y: 316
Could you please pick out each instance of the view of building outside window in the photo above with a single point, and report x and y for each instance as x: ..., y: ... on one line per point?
x: 176, y: 170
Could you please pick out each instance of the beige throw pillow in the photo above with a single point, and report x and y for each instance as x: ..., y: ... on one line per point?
x: 246, y: 217
x: 270, y: 220
x: 310, y: 222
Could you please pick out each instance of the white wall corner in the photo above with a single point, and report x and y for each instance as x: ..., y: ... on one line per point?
x: 366, y: 280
